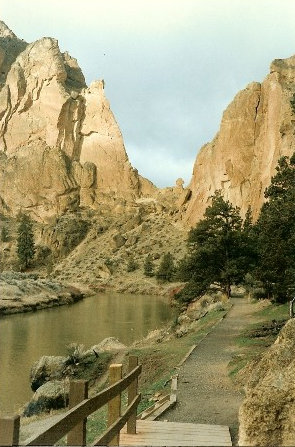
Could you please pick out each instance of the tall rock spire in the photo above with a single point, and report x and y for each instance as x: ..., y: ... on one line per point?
x: 256, y: 129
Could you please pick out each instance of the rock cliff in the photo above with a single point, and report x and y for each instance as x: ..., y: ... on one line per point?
x: 256, y: 129
x: 60, y: 145
x: 267, y: 413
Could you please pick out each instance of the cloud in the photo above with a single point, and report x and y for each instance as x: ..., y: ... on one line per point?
x: 171, y: 67
x: 159, y: 165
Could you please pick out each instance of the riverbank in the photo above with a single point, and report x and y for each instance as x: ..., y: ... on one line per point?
x: 160, y: 354
x: 22, y: 292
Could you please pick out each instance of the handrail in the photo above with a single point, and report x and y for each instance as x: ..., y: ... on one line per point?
x: 72, y: 417
x: 118, y: 424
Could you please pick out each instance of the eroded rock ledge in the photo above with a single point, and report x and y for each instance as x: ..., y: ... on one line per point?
x: 22, y: 292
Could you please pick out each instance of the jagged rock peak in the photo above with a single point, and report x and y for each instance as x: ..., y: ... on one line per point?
x: 5, y: 31
x: 285, y: 68
x: 50, y: 120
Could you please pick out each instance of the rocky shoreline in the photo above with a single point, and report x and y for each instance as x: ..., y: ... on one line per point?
x: 22, y: 293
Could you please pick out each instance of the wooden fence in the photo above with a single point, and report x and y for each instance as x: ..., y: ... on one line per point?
x: 73, y: 422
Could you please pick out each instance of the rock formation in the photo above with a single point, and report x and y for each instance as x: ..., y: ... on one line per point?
x: 267, y: 413
x: 256, y: 129
x: 60, y: 145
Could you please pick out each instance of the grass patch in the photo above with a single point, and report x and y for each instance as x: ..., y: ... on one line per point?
x: 274, y: 311
x: 258, y: 336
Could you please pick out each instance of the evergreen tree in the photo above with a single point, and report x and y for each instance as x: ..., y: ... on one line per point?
x: 166, y: 268
x: 25, y: 241
x: 276, y: 234
x: 149, y: 266
x: 218, y: 251
x: 132, y: 265
x: 4, y: 234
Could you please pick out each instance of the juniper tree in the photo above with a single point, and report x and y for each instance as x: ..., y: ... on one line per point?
x: 132, y: 265
x: 217, y: 251
x: 149, y: 266
x: 25, y: 241
x: 166, y: 268
x: 276, y: 233
x: 4, y: 234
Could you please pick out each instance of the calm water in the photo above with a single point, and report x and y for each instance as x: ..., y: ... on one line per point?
x: 24, y: 338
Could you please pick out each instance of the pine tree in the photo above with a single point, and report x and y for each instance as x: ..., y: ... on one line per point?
x: 217, y: 251
x: 149, y: 266
x: 132, y: 265
x: 25, y: 241
x: 166, y: 268
x: 4, y: 234
x: 276, y: 234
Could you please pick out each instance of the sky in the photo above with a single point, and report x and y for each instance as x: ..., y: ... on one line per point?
x: 170, y: 67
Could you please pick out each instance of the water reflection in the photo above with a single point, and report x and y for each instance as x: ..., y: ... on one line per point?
x: 24, y: 338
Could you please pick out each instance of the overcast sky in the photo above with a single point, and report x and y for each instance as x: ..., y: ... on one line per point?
x: 170, y: 66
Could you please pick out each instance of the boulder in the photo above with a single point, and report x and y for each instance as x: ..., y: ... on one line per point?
x: 46, y: 369
x: 119, y: 240
x: 108, y: 344
x: 52, y: 395
x: 267, y: 414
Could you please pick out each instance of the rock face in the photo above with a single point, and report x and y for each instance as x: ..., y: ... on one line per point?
x: 256, y: 129
x: 60, y: 145
x: 267, y: 413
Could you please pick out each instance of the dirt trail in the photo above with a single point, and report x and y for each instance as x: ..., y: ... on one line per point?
x: 205, y: 392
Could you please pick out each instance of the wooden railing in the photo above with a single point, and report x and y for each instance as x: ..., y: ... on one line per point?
x: 73, y: 422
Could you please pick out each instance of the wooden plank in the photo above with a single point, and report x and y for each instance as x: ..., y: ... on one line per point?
x: 173, y: 396
x: 9, y: 431
x: 154, y: 425
x: 151, y: 409
x: 78, y: 392
x: 160, y: 410
x: 155, y: 433
x: 118, y: 424
x: 186, y: 356
x: 72, y: 417
x: 166, y: 429
x: 174, y: 442
x: 114, y: 405
x: 132, y: 393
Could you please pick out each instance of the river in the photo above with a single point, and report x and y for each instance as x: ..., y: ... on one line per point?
x: 24, y: 338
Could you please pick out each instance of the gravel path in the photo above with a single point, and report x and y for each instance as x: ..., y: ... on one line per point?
x: 206, y: 395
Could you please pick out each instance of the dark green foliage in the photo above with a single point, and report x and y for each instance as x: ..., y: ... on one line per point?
x: 276, y: 234
x: 4, y: 234
x: 132, y: 265
x: 69, y: 230
x: 25, y: 241
x: 45, y: 405
x: 166, y: 268
x: 43, y: 255
x: 218, y: 250
x: 292, y: 102
x: 149, y: 269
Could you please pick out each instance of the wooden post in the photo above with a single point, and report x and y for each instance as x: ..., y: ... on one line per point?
x: 291, y: 308
x: 9, y: 431
x: 114, y: 405
x: 78, y: 392
x: 132, y: 393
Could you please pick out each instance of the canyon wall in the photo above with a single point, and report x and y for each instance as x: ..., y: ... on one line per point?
x: 60, y: 145
x: 257, y: 128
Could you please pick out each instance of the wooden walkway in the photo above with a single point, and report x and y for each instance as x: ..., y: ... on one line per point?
x: 155, y: 433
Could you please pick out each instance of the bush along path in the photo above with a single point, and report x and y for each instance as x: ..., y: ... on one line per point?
x: 206, y: 394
